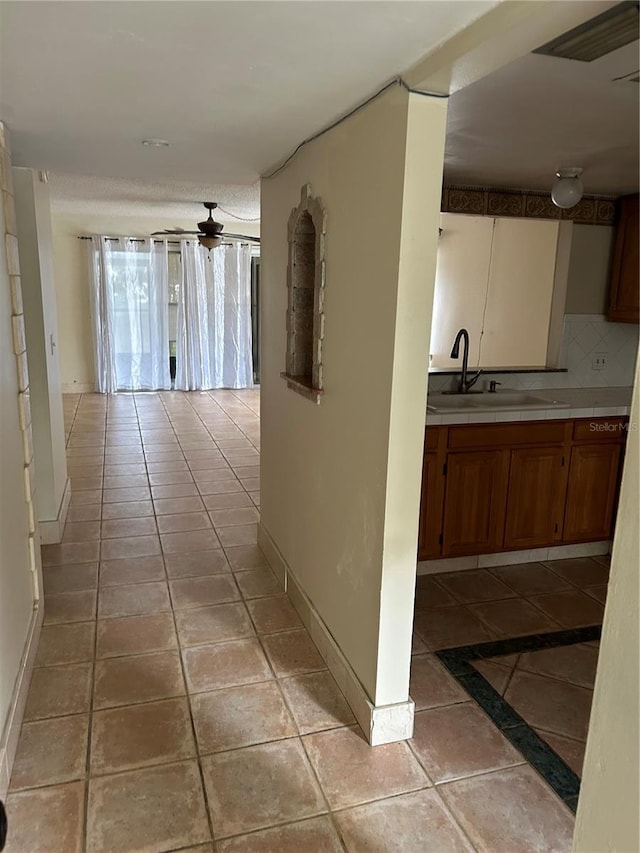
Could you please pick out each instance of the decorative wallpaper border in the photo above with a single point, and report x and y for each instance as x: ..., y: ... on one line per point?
x: 480, y: 201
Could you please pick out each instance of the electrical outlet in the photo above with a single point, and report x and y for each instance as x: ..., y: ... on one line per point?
x: 599, y: 360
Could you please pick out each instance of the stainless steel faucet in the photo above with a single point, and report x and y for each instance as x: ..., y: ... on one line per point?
x: 465, y: 385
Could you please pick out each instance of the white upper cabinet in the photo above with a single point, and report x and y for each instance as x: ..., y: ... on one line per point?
x: 503, y: 279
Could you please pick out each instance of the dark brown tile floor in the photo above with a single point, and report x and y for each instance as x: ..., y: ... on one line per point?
x: 179, y: 705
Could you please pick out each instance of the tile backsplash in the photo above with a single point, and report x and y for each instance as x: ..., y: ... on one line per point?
x: 587, y: 340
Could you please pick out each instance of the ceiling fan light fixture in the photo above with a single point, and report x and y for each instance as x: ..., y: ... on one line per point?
x: 568, y: 188
x: 209, y: 241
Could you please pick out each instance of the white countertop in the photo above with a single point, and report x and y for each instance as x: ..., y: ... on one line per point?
x: 578, y: 403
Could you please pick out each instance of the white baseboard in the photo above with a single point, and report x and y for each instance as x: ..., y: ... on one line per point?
x: 78, y: 387
x: 381, y: 723
x: 13, y: 724
x: 512, y: 558
x: 51, y: 531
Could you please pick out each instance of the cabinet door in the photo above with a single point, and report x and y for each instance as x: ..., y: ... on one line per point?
x: 535, y: 503
x: 431, y: 506
x: 462, y: 274
x: 591, y: 492
x: 475, y: 502
x: 624, y: 297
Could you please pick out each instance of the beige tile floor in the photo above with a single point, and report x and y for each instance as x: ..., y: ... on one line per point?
x: 179, y: 705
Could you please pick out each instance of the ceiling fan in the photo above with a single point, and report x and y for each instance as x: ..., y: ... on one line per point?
x: 209, y: 231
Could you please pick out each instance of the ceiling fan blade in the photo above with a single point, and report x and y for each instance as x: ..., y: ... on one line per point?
x: 241, y: 237
x: 174, y: 233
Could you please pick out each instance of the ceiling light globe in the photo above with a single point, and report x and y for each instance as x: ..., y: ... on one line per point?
x: 568, y: 188
x: 209, y: 242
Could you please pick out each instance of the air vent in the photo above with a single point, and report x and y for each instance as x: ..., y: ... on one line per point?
x: 595, y: 38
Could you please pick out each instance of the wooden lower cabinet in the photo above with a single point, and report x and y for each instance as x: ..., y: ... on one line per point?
x: 592, y: 491
x: 540, y: 484
x: 431, y: 507
x: 474, y: 504
x: 536, y: 497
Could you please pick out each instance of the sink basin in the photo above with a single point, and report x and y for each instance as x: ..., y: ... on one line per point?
x: 505, y: 400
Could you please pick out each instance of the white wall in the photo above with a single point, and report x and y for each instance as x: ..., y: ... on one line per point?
x: 340, y: 481
x: 38, y: 292
x: 607, y: 818
x: 18, y: 552
x: 72, y: 289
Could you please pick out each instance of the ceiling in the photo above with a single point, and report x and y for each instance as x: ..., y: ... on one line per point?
x: 235, y: 86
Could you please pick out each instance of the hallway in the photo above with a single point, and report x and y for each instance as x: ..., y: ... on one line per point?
x: 178, y: 699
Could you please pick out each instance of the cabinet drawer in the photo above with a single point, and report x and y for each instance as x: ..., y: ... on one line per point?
x: 598, y: 429
x: 507, y: 434
x: 431, y: 438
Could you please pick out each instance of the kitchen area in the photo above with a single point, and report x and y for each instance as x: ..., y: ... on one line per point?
x: 533, y: 351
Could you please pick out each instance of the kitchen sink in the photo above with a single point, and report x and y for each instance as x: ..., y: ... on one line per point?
x: 456, y: 403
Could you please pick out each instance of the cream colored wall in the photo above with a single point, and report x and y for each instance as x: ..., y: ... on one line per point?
x: 72, y: 288
x: 340, y: 481
x: 607, y: 818
x: 589, y: 266
x: 38, y: 292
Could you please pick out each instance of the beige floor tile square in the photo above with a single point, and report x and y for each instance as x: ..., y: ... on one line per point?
x: 141, y: 735
x: 259, y: 786
x: 70, y: 607
x: 131, y: 570
x: 197, y: 592
x: 140, y: 678
x: 570, y: 751
x: 411, y: 823
x: 458, y: 741
x: 530, y: 578
x: 554, y: 706
x: 246, y: 557
x: 351, y: 772
x: 510, y: 810
x: 316, y: 702
x: 225, y: 665
x: 219, y: 487
x: 315, y: 835
x: 136, y: 493
x: 431, y: 685
x: 170, y: 478
x: 513, y: 618
x: 69, y: 552
x: 50, y: 752
x: 196, y: 564
x: 93, y: 496
x: 429, y: 594
x: 169, y: 506
x: 175, y: 490
x: 576, y: 663
x: 120, y: 528
x: 186, y: 542
x: 201, y: 625
x: 125, y: 481
x: 223, y: 502
x: 498, y: 676
x: 231, y: 517
x: 257, y: 583
x: 133, y: 599
x: 581, y: 571
x: 154, y: 809
x: 70, y: 578
x: 130, y: 546
x: 128, y: 509
x: 273, y: 614
x: 60, y: 644
x: 88, y: 512
x: 81, y: 531
x: 241, y: 716
x: 292, y: 653
x: 133, y: 635
x: 446, y: 627
x: 475, y: 585
x: 81, y: 484
x: 570, y: 609
x: 183, y: 521
x: 46, y: 819
x: 239, y: 534
x: 59, y: 690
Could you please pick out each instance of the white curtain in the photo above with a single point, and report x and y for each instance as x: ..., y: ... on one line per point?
x: 213, y: 346
x: 130, y: 302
